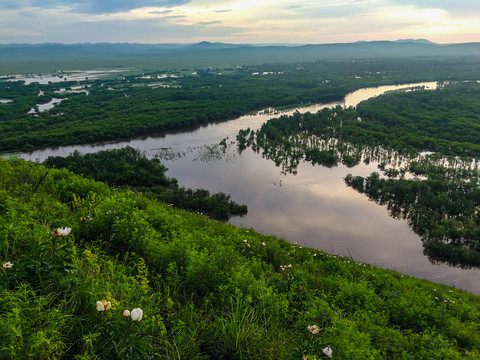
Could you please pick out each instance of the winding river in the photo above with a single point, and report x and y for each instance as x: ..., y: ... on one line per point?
x: 312, y: 208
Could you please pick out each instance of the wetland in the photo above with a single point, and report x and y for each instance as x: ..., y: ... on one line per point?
x: 307, y: 203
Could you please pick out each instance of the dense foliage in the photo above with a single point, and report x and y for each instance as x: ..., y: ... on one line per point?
x: 130, y: 105
x: 442, y: 207
x: 445, y: 121
x: 207, y: 290
x: 441, y: 202
x: 128, y: 167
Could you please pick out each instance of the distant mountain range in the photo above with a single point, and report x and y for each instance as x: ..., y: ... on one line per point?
x: 27, y: 57
x: 421, y: 41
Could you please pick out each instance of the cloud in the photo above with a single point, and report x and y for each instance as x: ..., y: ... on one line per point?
x: 105, y: 6
x: 328, y: 9
x: 174, y: 17
x: 164, y: 12
x: 296, y: 6
x: 443, y: 4
x: 464, y: 7
x: 214, y: 22
x: 27, y: 14
x: 256, y: 21
x: 151, y: 30
x: 9, y: 4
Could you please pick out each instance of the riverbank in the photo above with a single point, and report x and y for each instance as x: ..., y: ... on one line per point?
x: 313, y: 208
x: 200, y: 288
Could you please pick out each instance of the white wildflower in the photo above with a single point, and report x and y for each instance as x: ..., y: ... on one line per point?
x: 63, y: 232
x: 328, y: 351
x: 136, y: 314
x: 100, y: 306
x: 126, y: 313
x: 7, y: 265
x: 103, y: 305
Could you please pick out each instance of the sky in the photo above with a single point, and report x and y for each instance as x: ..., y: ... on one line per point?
x: 239, y: 22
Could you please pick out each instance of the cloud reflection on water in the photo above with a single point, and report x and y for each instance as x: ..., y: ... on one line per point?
x: 314, y: 208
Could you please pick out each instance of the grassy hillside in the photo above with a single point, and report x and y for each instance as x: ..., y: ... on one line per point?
x: 207, y: 290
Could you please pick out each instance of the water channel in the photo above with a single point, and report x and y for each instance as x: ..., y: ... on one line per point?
x: 313, y: 208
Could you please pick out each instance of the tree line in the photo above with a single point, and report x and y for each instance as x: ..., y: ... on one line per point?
x: 134, y: 105
x: 129, y: 168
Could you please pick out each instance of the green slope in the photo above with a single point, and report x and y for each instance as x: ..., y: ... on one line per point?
x: 207, y: 290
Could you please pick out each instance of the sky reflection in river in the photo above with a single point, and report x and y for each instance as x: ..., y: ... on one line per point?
x: 314, y: 208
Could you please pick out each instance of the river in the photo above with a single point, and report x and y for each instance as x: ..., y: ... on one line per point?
x: 312, y: 208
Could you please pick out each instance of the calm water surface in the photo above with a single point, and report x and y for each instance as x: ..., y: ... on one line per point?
x: 314, y: 208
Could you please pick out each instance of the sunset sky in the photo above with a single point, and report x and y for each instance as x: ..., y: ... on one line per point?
x: 249, y: 21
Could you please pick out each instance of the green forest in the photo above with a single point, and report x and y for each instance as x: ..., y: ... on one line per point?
x: 129, y: 105
x: 76, y: 255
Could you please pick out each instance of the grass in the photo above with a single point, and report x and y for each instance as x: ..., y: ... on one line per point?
x: 205, y: 292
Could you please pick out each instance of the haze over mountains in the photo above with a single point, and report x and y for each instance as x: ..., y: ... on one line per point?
x: 21, y: 57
